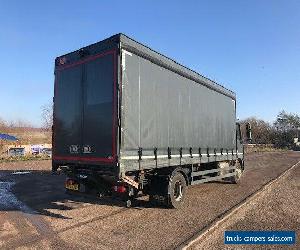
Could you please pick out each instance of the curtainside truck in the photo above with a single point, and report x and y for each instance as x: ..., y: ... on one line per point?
x: 129, y: 121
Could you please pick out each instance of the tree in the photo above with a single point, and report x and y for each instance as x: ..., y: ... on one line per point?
x: 20, y: 124
x: 3, y: 124
x: 262, y: 131
x: 47, y: 116
x: 287, y: 121
x: 286, y: 125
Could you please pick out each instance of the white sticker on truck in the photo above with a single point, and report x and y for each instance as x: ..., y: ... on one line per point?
x: 124, y: 53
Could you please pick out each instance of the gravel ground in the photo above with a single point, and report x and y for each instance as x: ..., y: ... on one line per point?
x: 46, y: 217
x: 26, y: 165
x: 276, y: 208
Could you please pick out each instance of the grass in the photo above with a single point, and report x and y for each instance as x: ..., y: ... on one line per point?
x: 24, y: 158
x: 260, y: 148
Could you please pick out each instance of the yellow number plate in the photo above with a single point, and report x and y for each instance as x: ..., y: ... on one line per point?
x: 72, y: 187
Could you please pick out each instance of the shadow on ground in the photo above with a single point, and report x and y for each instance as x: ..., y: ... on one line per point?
x: 41, y: 192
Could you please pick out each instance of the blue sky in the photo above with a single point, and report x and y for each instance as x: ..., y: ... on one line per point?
x: 250, y: 47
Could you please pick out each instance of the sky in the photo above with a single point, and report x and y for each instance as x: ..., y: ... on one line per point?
x: 250, y: 47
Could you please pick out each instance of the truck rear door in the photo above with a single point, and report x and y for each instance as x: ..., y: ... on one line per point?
x: 98, y: 109
x: 85, y: 110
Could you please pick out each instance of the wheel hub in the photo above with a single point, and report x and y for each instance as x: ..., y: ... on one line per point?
x: 178, y: 191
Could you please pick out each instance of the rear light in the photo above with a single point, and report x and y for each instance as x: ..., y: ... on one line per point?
x: 119, y: 189
x: 70, y: 182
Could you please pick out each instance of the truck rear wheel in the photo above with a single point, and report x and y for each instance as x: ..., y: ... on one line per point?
x: 238, y: 174
x: 176, y: 191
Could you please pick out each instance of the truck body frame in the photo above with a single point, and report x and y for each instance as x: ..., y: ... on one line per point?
x: 122, y: 110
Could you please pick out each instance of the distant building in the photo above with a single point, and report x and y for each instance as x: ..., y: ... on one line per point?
x: 21, y: 150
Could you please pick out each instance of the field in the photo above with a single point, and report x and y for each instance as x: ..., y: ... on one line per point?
x: 26, y: 136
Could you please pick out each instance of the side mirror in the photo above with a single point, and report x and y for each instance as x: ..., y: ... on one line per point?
x: 248, y: 131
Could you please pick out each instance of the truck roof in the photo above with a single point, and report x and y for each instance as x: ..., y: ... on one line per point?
x: 142, y: 50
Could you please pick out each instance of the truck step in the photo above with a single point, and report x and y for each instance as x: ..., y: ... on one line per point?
x: 210, y: 171
x: 208, y: 178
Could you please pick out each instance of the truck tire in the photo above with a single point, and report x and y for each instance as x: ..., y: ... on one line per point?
x: 238, y: 174
x: 129, y: 203
x: 176, y: 191
x: 54, y: 168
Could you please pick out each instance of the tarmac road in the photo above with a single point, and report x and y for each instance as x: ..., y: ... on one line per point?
x: 36, y: 213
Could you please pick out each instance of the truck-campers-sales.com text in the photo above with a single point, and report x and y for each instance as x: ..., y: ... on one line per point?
x: 258, y: 239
